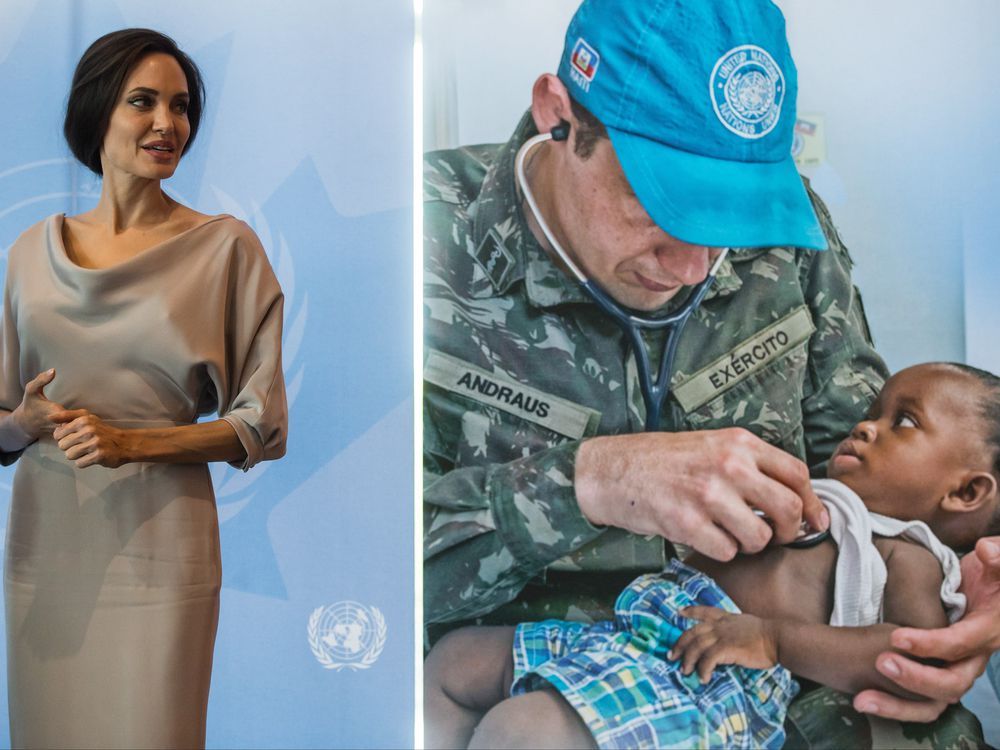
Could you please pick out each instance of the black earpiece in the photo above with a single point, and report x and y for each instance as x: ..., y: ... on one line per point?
x: 561, y: 131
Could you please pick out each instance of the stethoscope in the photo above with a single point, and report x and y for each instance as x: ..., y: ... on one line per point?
x: 654, y: 390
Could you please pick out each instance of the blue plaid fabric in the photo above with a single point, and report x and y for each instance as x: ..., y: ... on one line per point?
x: 618, y: 678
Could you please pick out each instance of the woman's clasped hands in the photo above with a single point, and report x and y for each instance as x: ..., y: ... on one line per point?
x: 87, y: 440
x: 84, y: 437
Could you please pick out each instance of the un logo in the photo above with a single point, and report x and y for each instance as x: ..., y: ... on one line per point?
x: 747, y: 89
x: 346, y: 634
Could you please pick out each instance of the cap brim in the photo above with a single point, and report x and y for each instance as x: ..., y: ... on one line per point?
x: 716, y: 202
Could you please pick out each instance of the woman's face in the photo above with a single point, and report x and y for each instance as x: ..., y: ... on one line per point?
x: 149, y: 125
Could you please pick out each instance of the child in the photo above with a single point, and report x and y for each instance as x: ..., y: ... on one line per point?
x: 925, y: 462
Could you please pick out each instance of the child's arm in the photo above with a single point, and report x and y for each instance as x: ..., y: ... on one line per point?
x: 843, y: 658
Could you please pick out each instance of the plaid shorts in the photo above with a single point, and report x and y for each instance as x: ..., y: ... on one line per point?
x: 618, y: 678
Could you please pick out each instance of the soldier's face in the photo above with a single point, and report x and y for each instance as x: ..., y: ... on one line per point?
x: 611, y: 236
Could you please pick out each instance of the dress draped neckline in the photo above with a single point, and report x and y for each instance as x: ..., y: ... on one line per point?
x: 145, y: 260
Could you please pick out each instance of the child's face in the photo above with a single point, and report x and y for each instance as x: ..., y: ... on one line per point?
x: 922, y: 435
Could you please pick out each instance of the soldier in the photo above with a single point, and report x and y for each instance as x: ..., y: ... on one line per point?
x: 543, y: 497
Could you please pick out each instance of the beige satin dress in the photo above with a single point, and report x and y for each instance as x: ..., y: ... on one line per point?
x: 112, y: 576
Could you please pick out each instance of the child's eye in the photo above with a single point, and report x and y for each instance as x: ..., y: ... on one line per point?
x: 905, y: 420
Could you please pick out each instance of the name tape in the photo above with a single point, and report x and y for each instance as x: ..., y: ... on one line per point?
x: 750, y: 356
x: 552, y: 412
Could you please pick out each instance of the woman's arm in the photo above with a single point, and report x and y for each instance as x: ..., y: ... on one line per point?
x: 87, y: 441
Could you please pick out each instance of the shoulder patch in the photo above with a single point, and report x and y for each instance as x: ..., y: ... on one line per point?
x: 494, y: 258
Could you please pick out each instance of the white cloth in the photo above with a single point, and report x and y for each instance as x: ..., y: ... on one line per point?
x: 861, y: 572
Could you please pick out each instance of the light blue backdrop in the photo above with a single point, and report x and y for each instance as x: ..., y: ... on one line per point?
x: 307, y: 136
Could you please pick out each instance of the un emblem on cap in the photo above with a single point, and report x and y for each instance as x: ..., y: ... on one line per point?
x: 747, y: 89
x: 346, y: 634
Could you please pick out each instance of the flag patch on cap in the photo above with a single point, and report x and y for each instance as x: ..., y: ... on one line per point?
x: 583, y: 64
x: 747, y: 89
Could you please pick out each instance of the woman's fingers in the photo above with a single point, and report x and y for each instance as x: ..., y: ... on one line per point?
x: 64, y: 416
x: 35, y: 385
x: 76, y: 421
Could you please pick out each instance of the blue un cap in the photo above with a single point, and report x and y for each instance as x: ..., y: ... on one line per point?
x: 698, y: 97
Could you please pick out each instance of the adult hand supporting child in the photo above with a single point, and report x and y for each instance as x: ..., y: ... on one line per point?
x: 966, y: 646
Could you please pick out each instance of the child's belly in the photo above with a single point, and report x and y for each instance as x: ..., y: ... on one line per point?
x: 779, y: 582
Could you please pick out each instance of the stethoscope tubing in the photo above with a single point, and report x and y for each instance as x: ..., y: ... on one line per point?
x: 654, y: 392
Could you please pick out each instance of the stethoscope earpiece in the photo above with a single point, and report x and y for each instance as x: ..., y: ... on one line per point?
x: 561, y: 131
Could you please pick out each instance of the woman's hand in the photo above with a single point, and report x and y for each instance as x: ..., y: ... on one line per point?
x: 965, y: 646
x: 33, y: 414
x: 87, y: 440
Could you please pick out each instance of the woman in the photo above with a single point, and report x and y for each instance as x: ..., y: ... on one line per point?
x: 120, y: 327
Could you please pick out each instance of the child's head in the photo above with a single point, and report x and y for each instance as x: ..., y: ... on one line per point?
x: 929, y: 450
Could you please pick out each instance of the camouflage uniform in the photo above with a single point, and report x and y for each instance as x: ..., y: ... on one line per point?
x: 520, y: 366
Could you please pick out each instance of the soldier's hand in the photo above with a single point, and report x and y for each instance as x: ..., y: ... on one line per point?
x: 965, y: 646
x: 697, y: 488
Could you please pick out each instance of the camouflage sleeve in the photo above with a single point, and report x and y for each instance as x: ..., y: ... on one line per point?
x: 845, y: 372
x: 490, y: 529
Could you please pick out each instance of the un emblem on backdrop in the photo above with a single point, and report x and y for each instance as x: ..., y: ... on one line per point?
x: 747, y: 88
x: 346, y: 634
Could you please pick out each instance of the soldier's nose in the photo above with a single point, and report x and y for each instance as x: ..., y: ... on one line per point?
x: 687, y: 263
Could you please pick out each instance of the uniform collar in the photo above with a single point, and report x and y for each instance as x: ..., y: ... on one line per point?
x: 507, y: 251
x: 500, y: 234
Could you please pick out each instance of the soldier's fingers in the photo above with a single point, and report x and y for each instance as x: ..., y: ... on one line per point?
x: 955, y: 642
x: 781, y: 505
x: 793, y: 474
x: 813, y: 510
x: 730, y: 512
x: 712, y: 541
x: 948, y: 683
x: 893, y: 707
x: 988, y: 552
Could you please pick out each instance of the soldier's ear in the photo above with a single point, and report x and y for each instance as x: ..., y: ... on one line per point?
x: 550, y: 104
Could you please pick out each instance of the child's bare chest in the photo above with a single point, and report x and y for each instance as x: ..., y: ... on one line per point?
x: 782, y: 582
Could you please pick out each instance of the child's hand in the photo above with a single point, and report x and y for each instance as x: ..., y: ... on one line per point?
x: 724, y: 638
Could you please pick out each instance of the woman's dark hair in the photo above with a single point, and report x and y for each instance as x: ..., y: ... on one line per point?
x: 98, y: 81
